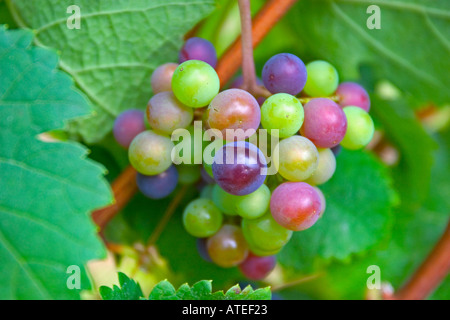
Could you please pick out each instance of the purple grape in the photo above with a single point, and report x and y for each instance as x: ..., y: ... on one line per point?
x: 159, y: 186
x: 284, y: 73
x: 239, y: 168
x: 352, y: 94
x: 198, y: 49
x: 336, y: 150
x: 257, y: 268
x: 128, y: 125
x: 202, y: 249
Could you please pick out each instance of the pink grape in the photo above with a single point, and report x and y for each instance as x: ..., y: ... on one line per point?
x: 353, y: 94
x: 162, y: 77
x: 257, y: 268
x: 128, y: 125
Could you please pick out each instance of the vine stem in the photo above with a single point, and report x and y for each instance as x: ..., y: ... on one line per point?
x: 430, y: 274
x: 124, y: 187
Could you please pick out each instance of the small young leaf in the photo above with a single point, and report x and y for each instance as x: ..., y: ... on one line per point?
x: 129, y: 290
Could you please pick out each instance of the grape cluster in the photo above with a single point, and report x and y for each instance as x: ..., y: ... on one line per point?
x: 244, y: 215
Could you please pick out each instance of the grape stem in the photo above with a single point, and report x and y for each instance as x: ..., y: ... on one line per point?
x: 430, y: 274
x: 296, y: 282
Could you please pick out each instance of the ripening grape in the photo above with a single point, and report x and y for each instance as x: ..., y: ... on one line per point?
x: 234, y: 109
x: 158, y: 186
x: 255, y: 204
x: 352, y: 94
x: 325, y: 123
x: 256, y: 267
x: 323, y: 79
x: 188, y: 173
x: 227, y: 248
x: 201, y: 218
x: 224, y: 201
x: 264, y: 235
x: 165, y: 113
x: 284, y: 73
x: 128, y: 125
x: 202, y: 249
x: 198, y: 49
x: 360, y: 128
x: 323, y: 202
x: 295, y: 205
x: 195, y: 83
x: 239, y: 168
x: 325, y: 169
x: 284, y: 112
x: 150, y: 153
x: 162, y: 77
x: 239, y: 81
x: 296, y: 158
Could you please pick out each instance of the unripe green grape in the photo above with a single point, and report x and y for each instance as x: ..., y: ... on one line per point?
x: 150, y: 153
x: 224, y: 201
x: 322, y: 80
x: 265, y: 235
x: 296, y: 158
x: 325, y: 169
x: 188, y: 173
x: 255, y: 204
x: 201, y: 218
x: 284, y: 112
x: 227, y: 248
x: 195, y: 83
x: 360, y: 128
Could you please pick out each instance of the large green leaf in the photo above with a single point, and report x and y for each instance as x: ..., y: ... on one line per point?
x: 114, y: 53
x: 46, y: 189
x: 411, y: 49
x: 357, y: 217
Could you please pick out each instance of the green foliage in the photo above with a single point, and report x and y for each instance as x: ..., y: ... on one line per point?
x: 46, y: 189
x: 119, y: 45
x: 202, y: 290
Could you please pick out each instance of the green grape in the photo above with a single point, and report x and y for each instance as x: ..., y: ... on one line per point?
x: 360, y: 128
x: 188, y: 173
x: 201, y: 218
x: 150, y: 153
x: 255, y: 204
x: 283, y: 112
x: 227, y: 248
x: 224, y: 201
x: 206, y: 192
x: 297, y: 158
x: 325, y: 169
x: 322, y: 80
x: 195, y: 83
x: 265, y: 235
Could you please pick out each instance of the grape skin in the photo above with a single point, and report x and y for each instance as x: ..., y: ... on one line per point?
x: 128, y: 125
x: 353, y: 94
x: 323, y: 79
x: 224, y: 201
x: 295, y: 205
x: 203, y: 250
x: 325, y: 123
x: 255, y: 204
x: 360, y: 128
x: 325, y: 169
x: 161, y: 79
x: 227, y: 248
x: 196, y: 48
x: 256, y: 267
x: 165, y: 113
x: 201, y: 218
x: 158, y: 186
x: 322, y: 201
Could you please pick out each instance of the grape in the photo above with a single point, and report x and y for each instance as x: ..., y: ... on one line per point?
x: 337, y: 149
x: 360, y: 128
x: 234, y: 109
x: 322, y: 201
x: 255, y: 204
x: 352, y: 94
x: 195, y: 83
x: 239, y: 81
x: 239, y: 168
x: 323, y: 79
x: 257, y: 268
x: 188, y: 173
x: 201, y: 218
x: 207, y: 192
x: 162, y: 77
x: 325, y: 123
x: 284, y: 112
x: 198, y: 49
x: 158, y: 186
x: 295, y: 205
x: 128, y: 125
x: 227, y: 248
x: 264, y: 235
x: 150, y: 153
x: 224, y: 201
x: 296, y: 158
x: 284, y: 73
x: 202, y: 249
x: 325, y: 169
x: 165, y: 113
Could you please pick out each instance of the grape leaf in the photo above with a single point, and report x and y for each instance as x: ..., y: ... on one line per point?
x: 114, y: 53
x: 357, y: 217
x: 46, y: 189
x: 164, y: 290
x: 410, y: 49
